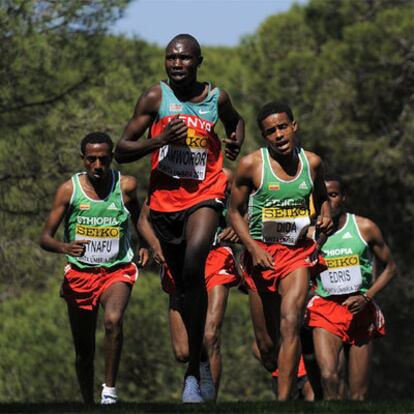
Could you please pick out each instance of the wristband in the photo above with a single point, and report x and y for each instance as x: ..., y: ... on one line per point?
x: 366, y: 297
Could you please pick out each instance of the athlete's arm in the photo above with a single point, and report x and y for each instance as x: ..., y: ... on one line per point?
x: 130, y: 147
x: 242, y: 187
x: 233, y: 124
x: 324, y: 221
x: 228, y: 235
x: 58, y: 211
x: 147, y: 232
x: 373, y: 236
x: 129, y: 194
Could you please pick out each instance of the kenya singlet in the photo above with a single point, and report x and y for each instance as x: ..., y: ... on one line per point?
x: 103, y: 222
x: 186, y: 174
x: 349, y: 262
x: 278, y: 210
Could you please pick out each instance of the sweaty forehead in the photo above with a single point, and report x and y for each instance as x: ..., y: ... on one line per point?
x: 183, y: 46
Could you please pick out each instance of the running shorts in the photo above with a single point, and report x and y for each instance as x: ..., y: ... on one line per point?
x: 287, y: 259
x: 82, y: 288
x: 353, y: 329
x: 170, y: 227
x: 220, y: 270
x: 301, y: 369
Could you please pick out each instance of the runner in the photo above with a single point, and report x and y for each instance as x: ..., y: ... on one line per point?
x: 187, y: 183
x: 304, y: 389
x: 96, y: 206
x: 220, y: 275
x: 343, y: 313
x: 275, y: 183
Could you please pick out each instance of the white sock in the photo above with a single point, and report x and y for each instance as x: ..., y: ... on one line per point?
x: 111, y: 391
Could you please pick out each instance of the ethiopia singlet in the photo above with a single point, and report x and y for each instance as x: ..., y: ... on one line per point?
x: 349, y: 262
x: 278, y: 210
x: 103, y: 222
x: 186, y: 174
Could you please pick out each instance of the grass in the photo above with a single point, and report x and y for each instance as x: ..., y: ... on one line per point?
x: 398, y: 406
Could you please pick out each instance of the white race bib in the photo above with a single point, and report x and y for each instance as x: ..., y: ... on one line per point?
x: 285, y: 226
x: 182, y: 161
x: 343, y: 275
x: 103, y: 243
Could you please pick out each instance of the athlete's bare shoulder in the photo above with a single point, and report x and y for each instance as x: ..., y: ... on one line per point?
x: 64, y: 192
x: 249, y: 163
x: 314, y: 160
x: 149, y: 101
x: 128, y: 184
x: 368, y: 229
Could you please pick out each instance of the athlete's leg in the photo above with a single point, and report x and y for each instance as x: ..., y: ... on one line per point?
x: 83, y: 325
x: 114, y: 300
x: 311, y: 365
x: 342, y: 372
x: 178, y: 331
x: 217, y: 301
x: 307, y: 391
x: 293, y: 290
x: 358, y: 370
x: 264, y: 310
x: 328, y: 351
x: 200, y: 230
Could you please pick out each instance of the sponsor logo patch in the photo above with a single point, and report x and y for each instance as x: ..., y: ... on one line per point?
x: 112, y: 206
x: 97, y: 232
x: 283, y: 213
x: 342, y: 261
x: 175, y: 107
x: 84, y: 207
x: 273, y: 186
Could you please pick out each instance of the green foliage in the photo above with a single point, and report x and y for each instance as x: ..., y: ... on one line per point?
x: 37, y: 357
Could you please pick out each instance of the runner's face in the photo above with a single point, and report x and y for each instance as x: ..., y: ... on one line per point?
x: 336, y: 198
x: 181, y: 62
x: 279, y: 132
x: 97, y: 160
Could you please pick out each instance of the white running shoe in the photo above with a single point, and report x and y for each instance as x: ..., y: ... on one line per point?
x: 207, y: 388
x: 191, y: 391
x: 108, y: 395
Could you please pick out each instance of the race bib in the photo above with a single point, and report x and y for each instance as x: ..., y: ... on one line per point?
x: 103, y: 243
x: 187, y: 160
x: 284, y: 225
x: 343, y: 275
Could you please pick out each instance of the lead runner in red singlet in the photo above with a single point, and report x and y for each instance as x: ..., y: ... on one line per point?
x: 187, y: 183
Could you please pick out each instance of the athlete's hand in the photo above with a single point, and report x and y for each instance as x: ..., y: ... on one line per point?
x: 324, y: 224
x: 355, y: 303
x: 158, y: 255
x: 232, y: 147
x: 314, y: 257
x: 229, y: 235
x: 261, y: 258
x: 143, y: 257
x: 175, y: 131
x: 76, y: 248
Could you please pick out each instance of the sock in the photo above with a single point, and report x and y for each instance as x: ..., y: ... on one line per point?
x: 110, y: 391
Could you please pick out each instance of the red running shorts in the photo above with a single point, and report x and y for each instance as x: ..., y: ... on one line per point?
x: 83, y: 287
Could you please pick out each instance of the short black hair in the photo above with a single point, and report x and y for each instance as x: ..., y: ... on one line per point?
x: 96, y: 138
x: 271, y: 108
x: 337, y: 178
x: 186, y: 36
